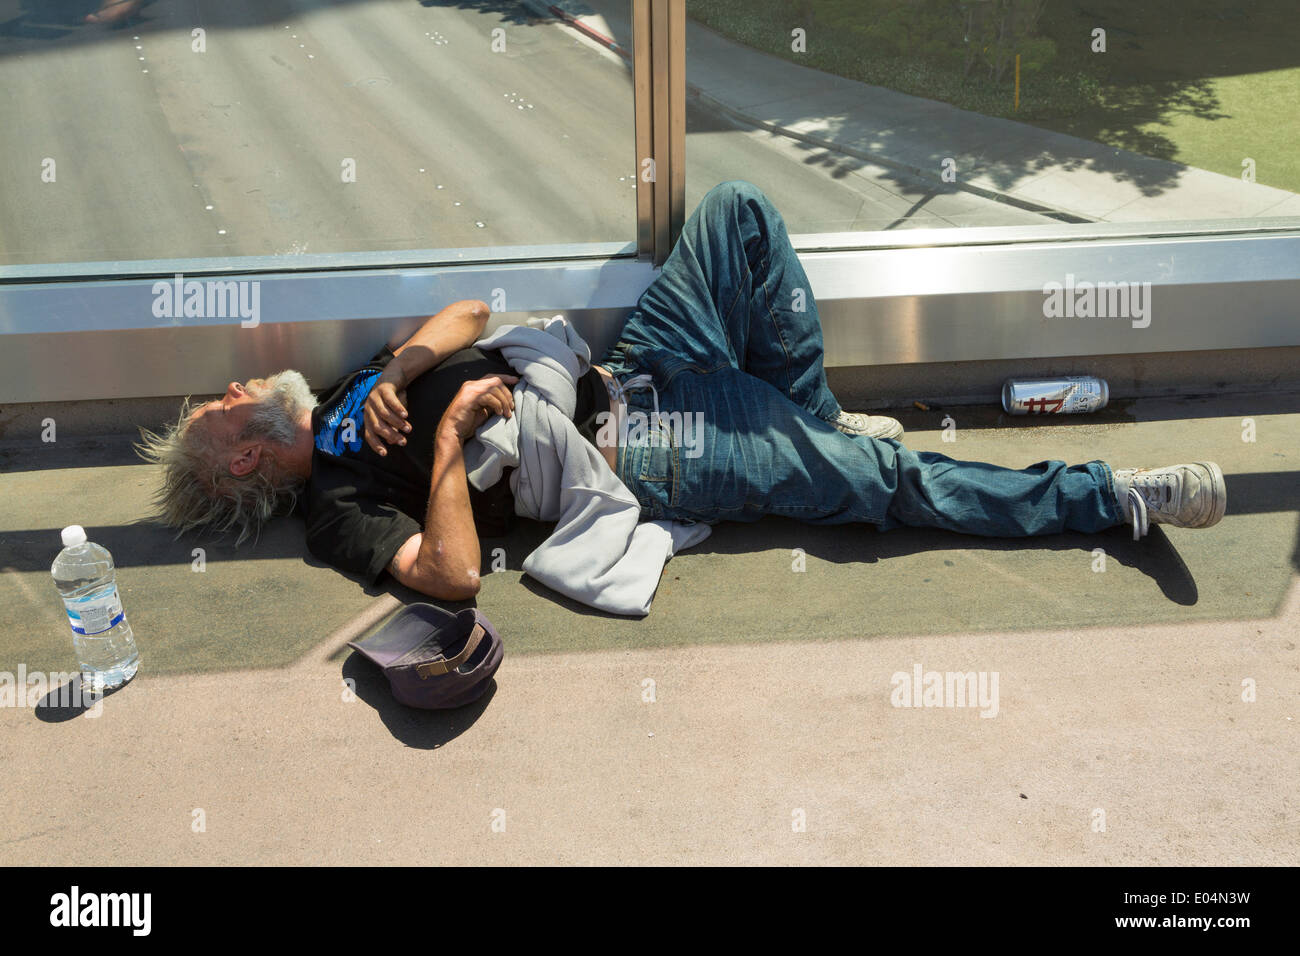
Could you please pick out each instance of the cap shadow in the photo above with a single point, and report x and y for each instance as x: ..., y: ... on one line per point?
x: 416, y: 728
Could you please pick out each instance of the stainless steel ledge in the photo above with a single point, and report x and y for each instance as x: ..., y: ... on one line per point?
x: 74, y: 339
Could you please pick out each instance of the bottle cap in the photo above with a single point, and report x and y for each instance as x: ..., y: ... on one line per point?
x: 73, y: 535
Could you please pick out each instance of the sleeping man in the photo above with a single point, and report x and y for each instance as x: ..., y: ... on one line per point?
x: 401, y: 465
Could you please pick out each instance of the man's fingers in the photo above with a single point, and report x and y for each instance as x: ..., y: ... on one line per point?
x: 377, y: 424
x: 485, y: 397
x: 385, y: 417
x: 373, y: 441
x: 391, y: 409
x: 376, y: 428
x: 497, y: 400
x: 506, y: 398
x: 394, y: 426
x: 396, y: 409
x: 490, y: 392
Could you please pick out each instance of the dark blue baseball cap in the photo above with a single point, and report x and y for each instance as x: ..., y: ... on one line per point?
x: 433, y: 658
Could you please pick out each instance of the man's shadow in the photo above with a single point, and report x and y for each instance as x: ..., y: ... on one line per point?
x: 1155, y: 555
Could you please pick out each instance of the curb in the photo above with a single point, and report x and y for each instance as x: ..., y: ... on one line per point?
x: 550, y: 9
x: 694, y: 92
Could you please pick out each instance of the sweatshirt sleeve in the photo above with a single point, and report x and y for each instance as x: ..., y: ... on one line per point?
x: 601, y: 553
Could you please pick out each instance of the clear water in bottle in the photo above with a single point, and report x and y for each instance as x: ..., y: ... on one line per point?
x: 84, y: 574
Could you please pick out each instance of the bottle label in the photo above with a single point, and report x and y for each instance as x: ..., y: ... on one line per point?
x: 95, y: 613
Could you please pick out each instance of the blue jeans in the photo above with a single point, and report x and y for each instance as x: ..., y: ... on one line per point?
x: 729, y: 335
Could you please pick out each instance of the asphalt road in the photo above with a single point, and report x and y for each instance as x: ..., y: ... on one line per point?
x: 163, y: 152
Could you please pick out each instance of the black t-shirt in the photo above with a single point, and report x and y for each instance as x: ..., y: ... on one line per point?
x: 361, y: 507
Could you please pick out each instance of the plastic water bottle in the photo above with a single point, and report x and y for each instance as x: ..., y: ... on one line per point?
x: 84, y: 574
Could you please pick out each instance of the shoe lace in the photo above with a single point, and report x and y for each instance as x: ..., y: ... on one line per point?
x: 1146, y: 492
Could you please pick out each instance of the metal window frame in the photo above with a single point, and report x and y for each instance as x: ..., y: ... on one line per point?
x: 659, y: 103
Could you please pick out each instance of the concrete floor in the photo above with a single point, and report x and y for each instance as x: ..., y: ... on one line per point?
x: 1120, y: 692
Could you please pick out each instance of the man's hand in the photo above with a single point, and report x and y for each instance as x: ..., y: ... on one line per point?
x: 385, y: 413
x: 475, y: 403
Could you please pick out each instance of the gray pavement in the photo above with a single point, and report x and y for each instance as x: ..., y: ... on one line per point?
x: 1120, y: 690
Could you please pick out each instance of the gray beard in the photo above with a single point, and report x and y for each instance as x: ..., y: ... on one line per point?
x: 282, y: 401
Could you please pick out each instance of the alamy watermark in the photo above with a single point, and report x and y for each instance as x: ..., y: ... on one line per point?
x: 75, y: 908
x: 63, y: 689
x: 1098, y: 300
x: 923, y: 688
x: 638, y: 429
x: 208, y: 299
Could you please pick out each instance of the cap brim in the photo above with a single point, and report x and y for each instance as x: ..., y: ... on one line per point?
x: 414, y: 626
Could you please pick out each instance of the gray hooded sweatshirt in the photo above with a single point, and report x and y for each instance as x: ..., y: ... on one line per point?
x: 601, y: 552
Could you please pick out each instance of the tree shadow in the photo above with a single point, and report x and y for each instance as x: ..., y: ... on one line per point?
x: 1161, y: 64
x: 913, y: 152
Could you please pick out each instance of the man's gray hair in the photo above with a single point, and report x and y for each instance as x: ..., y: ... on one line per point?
x: 197, y: 487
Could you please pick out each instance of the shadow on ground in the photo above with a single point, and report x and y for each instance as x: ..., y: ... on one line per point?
x: 421, y: 729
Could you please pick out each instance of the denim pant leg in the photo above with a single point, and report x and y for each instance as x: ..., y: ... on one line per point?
x: 745, y: 450
x: 733, y: 293
x: 975, y: 497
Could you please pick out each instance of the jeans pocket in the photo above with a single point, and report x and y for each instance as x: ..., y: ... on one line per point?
x: 657, y: 456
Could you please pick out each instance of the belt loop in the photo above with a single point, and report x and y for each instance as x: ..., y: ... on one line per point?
x: 642, y: 380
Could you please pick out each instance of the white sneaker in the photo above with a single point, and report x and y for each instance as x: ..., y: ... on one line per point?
x: 1185, y: 496
x: 873, y: 426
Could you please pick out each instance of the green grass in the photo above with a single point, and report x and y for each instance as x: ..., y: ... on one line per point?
x: 1206, y: 83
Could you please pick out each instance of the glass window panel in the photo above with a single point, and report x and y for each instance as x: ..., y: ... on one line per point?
x: 230, y: 128
x: 896, y: 114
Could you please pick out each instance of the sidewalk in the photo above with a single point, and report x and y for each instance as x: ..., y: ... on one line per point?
x: 739, y: 744
x: 1023, y: 165
x: 1120, y: 689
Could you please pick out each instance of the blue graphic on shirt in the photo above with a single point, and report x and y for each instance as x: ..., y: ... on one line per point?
x: 329, y: 437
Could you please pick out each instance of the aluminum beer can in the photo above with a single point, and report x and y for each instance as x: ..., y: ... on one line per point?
x: 1069, y: 395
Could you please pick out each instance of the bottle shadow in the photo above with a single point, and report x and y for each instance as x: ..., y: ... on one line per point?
x: 67, y: 701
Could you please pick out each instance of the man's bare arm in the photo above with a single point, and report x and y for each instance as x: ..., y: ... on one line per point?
x: 443, y: 560
x: 456, y: 327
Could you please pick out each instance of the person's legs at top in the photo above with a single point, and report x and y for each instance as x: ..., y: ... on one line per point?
x: 732, y: 293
